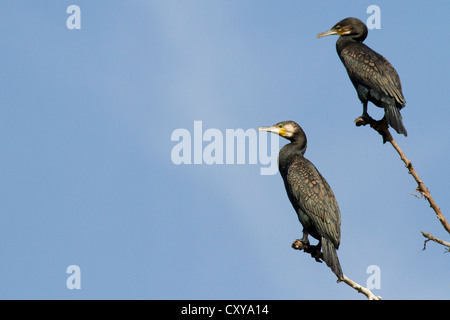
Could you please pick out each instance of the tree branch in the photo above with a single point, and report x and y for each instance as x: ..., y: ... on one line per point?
x: 299, y: 245
x: 383, y: 129
x: 430, y: 237
x: 365, y: 291
x: 421, y: 188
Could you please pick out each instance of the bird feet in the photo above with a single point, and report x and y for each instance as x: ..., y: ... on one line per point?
x: 381, y: 126
x: 364, y: 120
x: 314, y: 251
x: 300, y: 244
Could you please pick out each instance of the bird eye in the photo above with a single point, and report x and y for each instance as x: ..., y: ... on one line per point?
x: 280, y: 126
x: 338, y: 28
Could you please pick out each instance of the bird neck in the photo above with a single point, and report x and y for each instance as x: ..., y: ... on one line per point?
x: 296, y: 147
x: 289, y: 153
x: 343, y: 41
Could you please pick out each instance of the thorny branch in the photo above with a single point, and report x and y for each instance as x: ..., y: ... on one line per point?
x: 299, y: 245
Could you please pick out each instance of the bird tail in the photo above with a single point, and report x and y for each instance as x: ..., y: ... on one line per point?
x: 330, y: 257
x: 394, y: 119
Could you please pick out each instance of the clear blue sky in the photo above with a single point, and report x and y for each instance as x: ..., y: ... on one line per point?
x: 86, y: 171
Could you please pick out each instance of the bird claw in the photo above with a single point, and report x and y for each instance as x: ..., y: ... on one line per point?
x: 381, y: 126
x: 363, y: 120
x: 300, y: 244
x: 314, y: 251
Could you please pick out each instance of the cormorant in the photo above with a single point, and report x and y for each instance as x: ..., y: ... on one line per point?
x: 310, y: 195
x: 372, y: 75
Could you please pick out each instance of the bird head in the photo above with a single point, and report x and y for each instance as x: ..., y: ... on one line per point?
x: 348, y: 26
x: 286, y: 129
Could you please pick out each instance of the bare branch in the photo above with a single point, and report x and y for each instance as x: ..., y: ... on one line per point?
x: 430, y: 237
x: 383, y: 129
x: 422, y: 189
x: 299, y: 245
x: 365, y: 291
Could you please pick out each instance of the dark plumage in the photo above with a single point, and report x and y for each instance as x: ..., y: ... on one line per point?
x: 310, y: 195
x: 373, y: 77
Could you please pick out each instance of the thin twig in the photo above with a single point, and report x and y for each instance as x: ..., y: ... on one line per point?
x: 299, y: 245
x: 365, y: 291
x: 382, y: 128
x: 430, y: 237
x: 415, y: 195
x: 422, y: 189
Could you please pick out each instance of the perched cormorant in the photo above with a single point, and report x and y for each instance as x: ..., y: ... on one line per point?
x: 310, y: 195
x: 372, y: 75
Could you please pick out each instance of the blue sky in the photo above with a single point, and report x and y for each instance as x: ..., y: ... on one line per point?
x: 86, y: 172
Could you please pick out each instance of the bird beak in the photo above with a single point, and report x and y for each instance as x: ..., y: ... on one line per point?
x: 274, y: 129
x: 328, y: 33
x: 268, y: 129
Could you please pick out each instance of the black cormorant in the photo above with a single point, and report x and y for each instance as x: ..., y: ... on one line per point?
x: 372, y: 75
x: 310, y: 195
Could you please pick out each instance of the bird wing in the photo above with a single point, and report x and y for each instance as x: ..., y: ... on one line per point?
x: 316, y: 199
x: 372, y: 70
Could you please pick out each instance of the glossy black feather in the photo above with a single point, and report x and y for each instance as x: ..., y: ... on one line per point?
x: 311, y: 196
x: 373, y: 77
